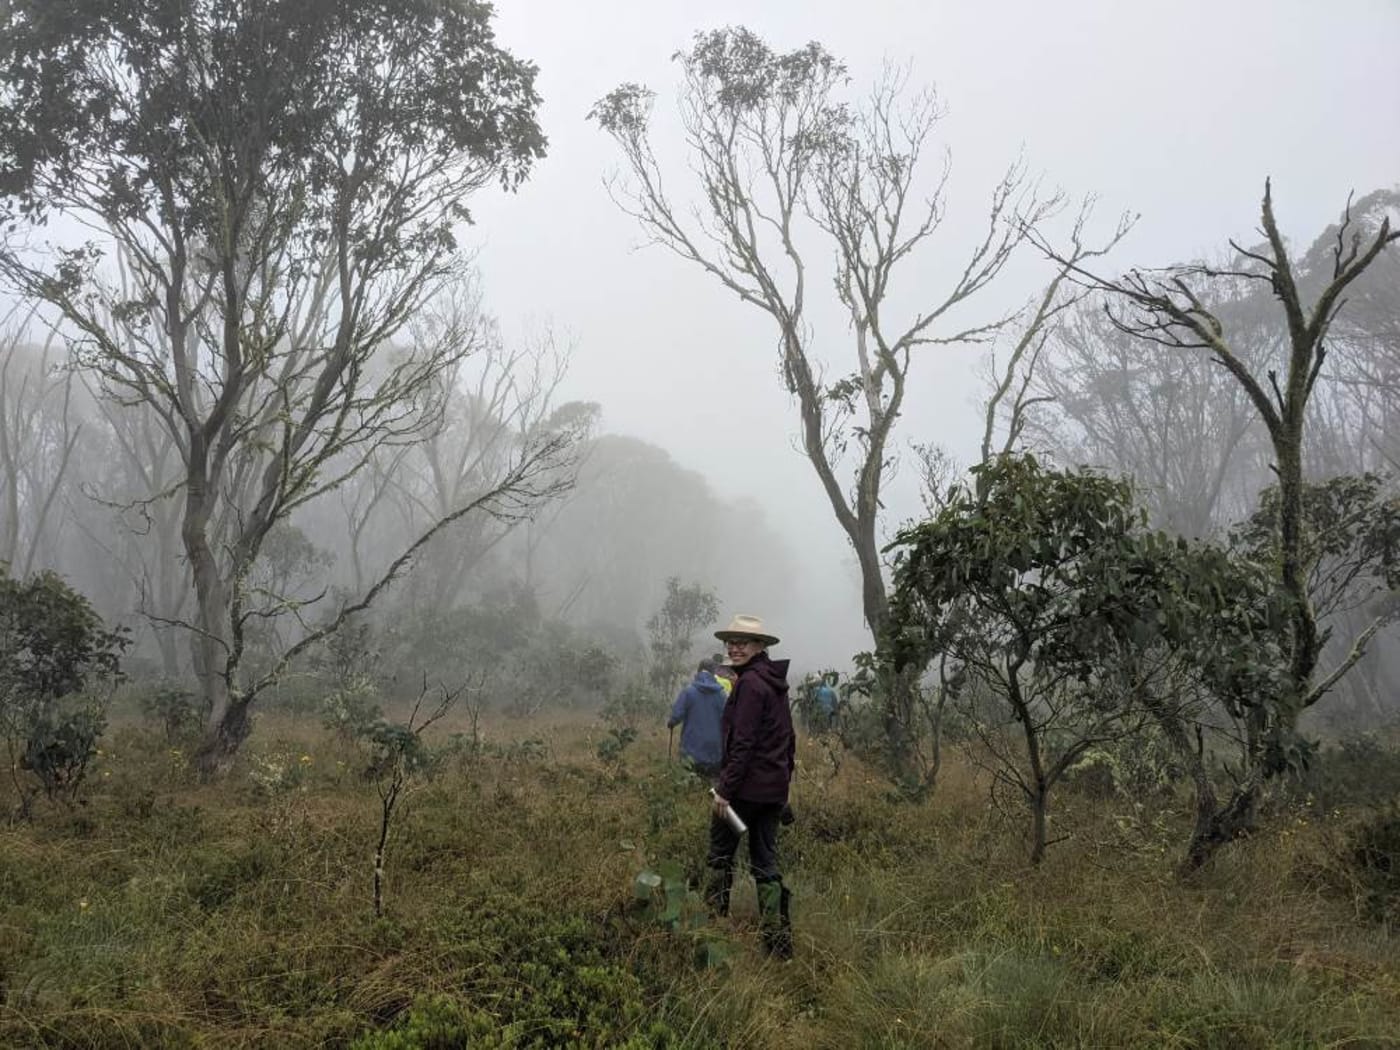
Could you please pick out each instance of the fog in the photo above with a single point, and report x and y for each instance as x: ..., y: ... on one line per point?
x: 1177, y: 115
x: 697, y: 472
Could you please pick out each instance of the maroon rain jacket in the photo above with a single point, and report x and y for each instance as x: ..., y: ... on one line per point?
x: 757, y: 730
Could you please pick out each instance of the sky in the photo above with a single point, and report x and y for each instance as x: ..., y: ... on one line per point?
x: 1176, y: 112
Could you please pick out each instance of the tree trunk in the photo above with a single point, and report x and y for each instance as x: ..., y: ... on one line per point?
x: 210, y: 646
x: 1213, y: 826
x: 1218, y: 827
x: 1037, y: 799
x: 223, y: 738
x: 1293, y: 571
x: 1038, y: 788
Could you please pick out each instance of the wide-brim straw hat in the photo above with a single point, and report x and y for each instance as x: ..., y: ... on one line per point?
x: 746, y: 627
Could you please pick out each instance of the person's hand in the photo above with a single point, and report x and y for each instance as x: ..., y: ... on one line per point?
x: 721, y: 807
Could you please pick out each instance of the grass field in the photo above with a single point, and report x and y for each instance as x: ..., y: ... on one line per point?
x: 168, y: 913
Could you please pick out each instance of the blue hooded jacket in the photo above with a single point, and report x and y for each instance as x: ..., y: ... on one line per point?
x: 700, y: 707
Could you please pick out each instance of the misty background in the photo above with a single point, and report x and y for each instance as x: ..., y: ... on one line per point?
x: 692, y: 467
x: 1177, y: 115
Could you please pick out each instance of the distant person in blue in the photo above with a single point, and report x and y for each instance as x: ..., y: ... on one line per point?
x: 699, y: 709
x: 824, y: 703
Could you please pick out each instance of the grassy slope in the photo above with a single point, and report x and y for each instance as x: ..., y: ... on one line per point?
x: 166, y: 913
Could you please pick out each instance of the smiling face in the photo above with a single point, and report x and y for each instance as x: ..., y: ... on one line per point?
x: 741, y: 650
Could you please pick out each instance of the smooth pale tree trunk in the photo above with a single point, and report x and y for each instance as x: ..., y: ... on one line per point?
x: 210, y: 643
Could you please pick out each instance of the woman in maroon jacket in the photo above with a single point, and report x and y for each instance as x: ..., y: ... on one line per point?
x: 754, y: 776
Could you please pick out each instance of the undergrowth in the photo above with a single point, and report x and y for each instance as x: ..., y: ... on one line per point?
x: 163, y: 912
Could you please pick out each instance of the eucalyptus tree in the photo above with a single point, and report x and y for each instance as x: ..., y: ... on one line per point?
x: 281, y: 181
x: 1186, y: 429
x: 788, y: 170
x: 1173, y: 308
x: 1075, y: 625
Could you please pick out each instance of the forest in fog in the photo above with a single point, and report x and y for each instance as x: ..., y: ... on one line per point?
x: 398, y: 398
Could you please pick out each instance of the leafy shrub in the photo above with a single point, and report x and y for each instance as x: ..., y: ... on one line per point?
x: 352, y: 710
x: 436, y: 1022
x: 174, y: 709
x: 631, y: 706
x: 610, y: 749
x: 1137, y: 765
x: 60, y: 746
x: 536, y: 979
x: 52, y: 646
x: 530, y: 749
x: 535, y: 662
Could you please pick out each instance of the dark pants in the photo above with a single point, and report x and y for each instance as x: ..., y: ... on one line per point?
x: 762, y: 819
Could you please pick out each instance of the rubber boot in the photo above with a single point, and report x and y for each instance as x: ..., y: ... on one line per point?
x: 775, y: 918
x: 717, y: 890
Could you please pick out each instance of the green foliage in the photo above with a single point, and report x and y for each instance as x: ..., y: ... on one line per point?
x: 436, y: 1022
x: 527, y: 749
x: 60, y: 746
x: 185, y: 925
x: 998, y: 581
x: 555, y: 986
x: 631, y: 706
x: 115, y: 100
x: 52, y: 643
x: 395, y: 748
x: 1351, y: 538
x: 352, y: 710
x: 174, y: 709
x: 1049, y: 590
x: 53, y: 647
x: 535, y: 663
x: 1140, y: 766
x: 663, y: 896
x: 610, y: 749
x: 1361, y: 770
x: 351, y: 654
x: 671, y: 630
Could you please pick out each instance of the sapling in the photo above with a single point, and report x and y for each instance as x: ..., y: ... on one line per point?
x: 398, y: 754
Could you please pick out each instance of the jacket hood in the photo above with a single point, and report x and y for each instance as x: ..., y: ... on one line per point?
x: 706, y: 682
x: 774, y: 672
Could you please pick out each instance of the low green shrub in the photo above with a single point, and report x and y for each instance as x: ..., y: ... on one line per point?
x: 610, y: 749
x: 533, y: 977
x: 175, y: 710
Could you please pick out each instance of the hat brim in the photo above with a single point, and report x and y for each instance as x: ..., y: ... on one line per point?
x: 766, y: 639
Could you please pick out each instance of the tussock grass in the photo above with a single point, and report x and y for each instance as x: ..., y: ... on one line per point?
x: 168, y: 913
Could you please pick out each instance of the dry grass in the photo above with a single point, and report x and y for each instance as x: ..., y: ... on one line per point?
x: 166, y: 913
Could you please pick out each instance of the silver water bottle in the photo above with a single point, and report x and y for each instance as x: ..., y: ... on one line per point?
x: 734, y: 820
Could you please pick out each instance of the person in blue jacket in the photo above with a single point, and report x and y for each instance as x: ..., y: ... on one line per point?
x: 824, y: 703
x: 699, y: 708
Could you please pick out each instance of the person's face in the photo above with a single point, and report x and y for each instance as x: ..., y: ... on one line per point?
x: 741, y: 650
